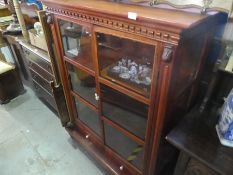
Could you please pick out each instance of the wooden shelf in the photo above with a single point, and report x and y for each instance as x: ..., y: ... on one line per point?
x: 124, y: 90
x: 91, y: 106
x: 108, y: 46
x: 83, y: 60
x: 84, y: 64
x: 129, y: 85
x: 124, y: 131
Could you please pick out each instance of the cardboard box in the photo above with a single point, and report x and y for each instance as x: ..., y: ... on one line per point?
x: 36, y: 40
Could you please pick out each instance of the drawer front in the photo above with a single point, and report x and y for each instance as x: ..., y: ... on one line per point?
x: 43, y: 94
x: 41, y: 81
x: 38, y: 60
x: 40, y: 71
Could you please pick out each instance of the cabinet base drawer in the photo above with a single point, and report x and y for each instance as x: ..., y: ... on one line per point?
x: 103, y: 155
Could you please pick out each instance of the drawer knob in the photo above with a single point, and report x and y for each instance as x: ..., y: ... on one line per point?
x: 97, y: 97
x: 121, y: 168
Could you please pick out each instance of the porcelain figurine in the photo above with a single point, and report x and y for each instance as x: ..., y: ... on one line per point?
x: 225, y: 125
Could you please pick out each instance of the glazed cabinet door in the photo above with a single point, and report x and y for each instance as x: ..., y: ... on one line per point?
x: 76, y: 40
x: 126, y: 62
x: 109, y: 78
x: 125, y: 121
x: 77, y: 44
x: 125, y: 72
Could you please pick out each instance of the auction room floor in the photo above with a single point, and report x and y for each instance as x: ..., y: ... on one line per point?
x: 33, y: 142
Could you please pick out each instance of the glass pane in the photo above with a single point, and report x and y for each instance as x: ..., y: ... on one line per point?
x: 126, y: 62
x: 125, y: 111
x: 82, y: 83
x: 76, y: 41
x: 88, y: 116
x: 124, y: 146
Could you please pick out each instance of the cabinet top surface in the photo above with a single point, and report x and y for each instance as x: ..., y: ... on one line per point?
x: 41, y: 53
x: 172, y: 17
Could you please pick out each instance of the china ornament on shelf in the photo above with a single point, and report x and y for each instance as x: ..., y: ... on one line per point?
x: 116, y: 69
x: 133, y: 71
x: 128, y: 69
x: 225, y: 125
x: 125, y: 76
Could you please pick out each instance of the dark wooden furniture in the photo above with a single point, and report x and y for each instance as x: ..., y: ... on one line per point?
x: 33, y: 66
x: 201, y: 150
x: 125, y: 75
x: 10, y: 83
x: 41, y: 73
x: 16, y: 50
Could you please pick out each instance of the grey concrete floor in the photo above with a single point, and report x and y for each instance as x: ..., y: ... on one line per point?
x: 33, y: 142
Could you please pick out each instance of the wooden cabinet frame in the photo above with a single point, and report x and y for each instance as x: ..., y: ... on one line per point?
x: 176, y: 71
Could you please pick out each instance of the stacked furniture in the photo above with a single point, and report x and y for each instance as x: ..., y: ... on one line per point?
x: 40, y: 71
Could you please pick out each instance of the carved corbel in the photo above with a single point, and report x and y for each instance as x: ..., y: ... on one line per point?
x: 167, y: 53
x: 49, y: 18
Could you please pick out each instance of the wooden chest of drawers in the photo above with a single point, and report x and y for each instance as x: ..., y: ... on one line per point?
x: 41, y: 73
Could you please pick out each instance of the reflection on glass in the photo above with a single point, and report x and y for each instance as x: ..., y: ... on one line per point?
x: 125, y: 111
x: 87, y: 116
x: 76, y: 40
x: 126, y: 62
x: 82, y: 83
x: 124, y: 146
